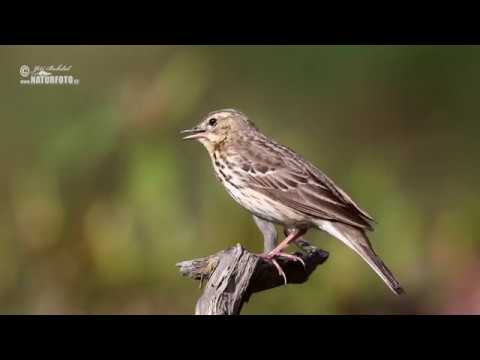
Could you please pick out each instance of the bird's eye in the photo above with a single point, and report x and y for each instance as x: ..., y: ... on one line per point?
x: 212, y: 122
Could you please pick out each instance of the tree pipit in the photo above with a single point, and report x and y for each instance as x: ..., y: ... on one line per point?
x: 278, y: 186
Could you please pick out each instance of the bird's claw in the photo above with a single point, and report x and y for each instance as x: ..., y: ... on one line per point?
x: 292, y: 257
x: 280, y: 270
x: 271, y: 257
x: 268, y: 257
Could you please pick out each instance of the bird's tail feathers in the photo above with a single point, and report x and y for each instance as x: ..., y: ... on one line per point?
x: 358, y: 241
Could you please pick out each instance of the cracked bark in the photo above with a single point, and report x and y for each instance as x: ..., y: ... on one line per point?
x: 234, y: 275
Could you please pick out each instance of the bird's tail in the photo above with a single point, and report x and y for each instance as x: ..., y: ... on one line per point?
x: 357, y: 240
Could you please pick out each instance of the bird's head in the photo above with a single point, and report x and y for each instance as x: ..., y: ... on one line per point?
x: 218, y: 126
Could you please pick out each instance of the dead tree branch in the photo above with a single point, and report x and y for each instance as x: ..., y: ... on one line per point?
x: 234, y: 274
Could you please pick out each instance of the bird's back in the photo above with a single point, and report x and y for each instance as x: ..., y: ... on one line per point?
x: 260, y: 173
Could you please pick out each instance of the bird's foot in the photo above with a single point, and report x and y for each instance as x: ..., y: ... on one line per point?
x: 273, y: 254
x: 291, y: 257
x: 281, y: 273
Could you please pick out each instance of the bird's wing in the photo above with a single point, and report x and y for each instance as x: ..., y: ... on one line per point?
x: 283, y: 175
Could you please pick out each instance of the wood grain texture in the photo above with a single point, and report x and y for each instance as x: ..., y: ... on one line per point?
x: 234, y: 275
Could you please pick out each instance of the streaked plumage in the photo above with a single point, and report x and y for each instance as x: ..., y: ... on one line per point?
x: 279, y: 186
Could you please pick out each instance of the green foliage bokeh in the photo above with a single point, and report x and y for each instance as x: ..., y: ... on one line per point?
x: 99, y: 197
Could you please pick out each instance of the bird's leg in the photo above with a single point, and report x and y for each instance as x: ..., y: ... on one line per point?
x: 269, y: 242
x: 292, y: 236
x: 277, y: 251
x: 301, y: 242
x: 269, y: 233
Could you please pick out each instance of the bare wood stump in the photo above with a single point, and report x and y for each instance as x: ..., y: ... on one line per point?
x: 234, y: 274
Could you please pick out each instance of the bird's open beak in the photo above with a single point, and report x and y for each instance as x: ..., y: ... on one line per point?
x: 194, y: 133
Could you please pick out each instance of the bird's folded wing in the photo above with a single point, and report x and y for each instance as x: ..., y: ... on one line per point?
x: 320, y: 177
x: 280, y: 173
x: 304, y: 191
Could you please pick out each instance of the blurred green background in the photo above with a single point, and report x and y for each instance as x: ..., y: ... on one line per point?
x: 99, y: 197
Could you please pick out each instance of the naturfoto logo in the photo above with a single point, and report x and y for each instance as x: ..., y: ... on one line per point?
x: 47, y: 75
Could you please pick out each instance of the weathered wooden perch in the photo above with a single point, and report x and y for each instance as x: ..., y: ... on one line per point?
x: 233, y: 275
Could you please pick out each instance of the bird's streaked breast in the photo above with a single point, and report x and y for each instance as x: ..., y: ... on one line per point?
x: 257, y: 203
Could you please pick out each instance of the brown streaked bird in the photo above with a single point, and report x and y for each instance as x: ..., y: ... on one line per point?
x: 278, y: 186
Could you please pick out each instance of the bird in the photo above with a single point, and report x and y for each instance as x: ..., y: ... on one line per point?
x: 279, y: 187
